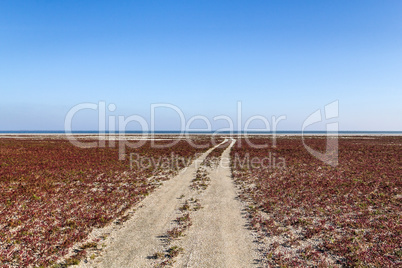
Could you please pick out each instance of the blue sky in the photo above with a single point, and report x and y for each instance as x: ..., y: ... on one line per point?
x: 275, y: 57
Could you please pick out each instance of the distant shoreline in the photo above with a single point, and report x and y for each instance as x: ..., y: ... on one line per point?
x: 175, y: 133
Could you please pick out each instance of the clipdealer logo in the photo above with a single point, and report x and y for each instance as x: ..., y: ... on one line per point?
x: 117, y: 125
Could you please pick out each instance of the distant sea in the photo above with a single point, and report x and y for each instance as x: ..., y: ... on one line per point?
x: 200, y: 132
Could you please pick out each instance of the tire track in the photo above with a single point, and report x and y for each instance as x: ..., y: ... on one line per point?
x: 140, y: 237
x: 218, y: 236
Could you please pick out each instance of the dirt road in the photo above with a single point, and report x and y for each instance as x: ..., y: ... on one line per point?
x: 217, y: 238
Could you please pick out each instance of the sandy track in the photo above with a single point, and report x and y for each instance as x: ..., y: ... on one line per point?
x: 218, y: 236
x: 132, y: 245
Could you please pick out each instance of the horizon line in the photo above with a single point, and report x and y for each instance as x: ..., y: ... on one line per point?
x: 196, y: 131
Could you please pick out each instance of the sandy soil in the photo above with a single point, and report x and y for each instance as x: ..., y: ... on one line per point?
x: 218, y: 236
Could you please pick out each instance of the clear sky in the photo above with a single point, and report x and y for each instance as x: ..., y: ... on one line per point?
x: 275, y: 57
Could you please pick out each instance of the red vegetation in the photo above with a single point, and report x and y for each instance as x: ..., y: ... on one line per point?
x: 309, y: 213
x: 53, y: 193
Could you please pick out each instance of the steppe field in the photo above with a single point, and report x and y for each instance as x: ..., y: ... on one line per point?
x: 200, y: 201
